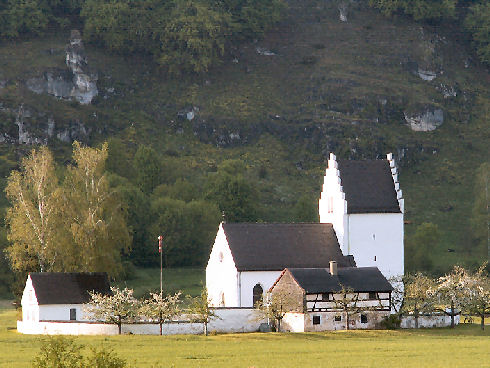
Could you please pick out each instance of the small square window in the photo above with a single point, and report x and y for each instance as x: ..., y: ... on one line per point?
x: 316, y: 320
x: 325, y: 297
x: 338, y: 318
x: 73, y: 314
x: 363, y: 318
x: 372, y: 295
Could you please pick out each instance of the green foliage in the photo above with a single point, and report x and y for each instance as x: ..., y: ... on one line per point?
x: 62, y: 352
x: 418, y: 249
x: 98, y: 219
x: 481, y: 216
x: 59, y: 352
x: 417, y: 298
x: 235, y: 195
x: 478, y: 23
x: 418, y: 9
x: 148, y: 173
x: 305, y: 209
x: 199, y: 309
x: 79, y: 225
x: 22, y: 17
x: 392, y: 322
x: 195, y: 37
x: 188, y: 229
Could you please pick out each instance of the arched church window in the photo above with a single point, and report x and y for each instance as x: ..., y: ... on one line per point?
x: 330, y: 205
x: 220, y: 256
x: 222, y: 300
x: 257, y: 294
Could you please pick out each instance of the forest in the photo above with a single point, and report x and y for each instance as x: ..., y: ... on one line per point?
x: 164, y: 176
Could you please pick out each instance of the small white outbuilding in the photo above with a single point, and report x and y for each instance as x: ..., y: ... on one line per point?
x: 57, y: 296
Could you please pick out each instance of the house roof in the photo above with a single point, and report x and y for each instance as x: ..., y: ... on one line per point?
x: 68, y: 288
x: 319, y: 280
x: 273, y: 247
x: 368, y: 186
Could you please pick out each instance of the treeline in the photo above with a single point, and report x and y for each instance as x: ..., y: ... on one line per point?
x: 471, y: 15
x: 182, y: 35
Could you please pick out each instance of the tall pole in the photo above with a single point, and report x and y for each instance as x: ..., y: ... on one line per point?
x: 160, y: 249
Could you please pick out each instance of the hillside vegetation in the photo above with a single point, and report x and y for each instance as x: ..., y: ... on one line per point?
x: 276, y: 105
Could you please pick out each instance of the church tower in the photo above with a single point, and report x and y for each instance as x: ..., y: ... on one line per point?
x: 363, y: 201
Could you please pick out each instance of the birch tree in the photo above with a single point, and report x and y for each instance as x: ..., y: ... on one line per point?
x: 117, y: 308
x: 161, y: 308
x: 33, y: 220
x: 96, y: 215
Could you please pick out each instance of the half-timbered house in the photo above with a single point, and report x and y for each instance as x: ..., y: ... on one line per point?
x: 330, y: 299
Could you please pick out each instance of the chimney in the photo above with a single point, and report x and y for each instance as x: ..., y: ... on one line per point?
x: 333, y: 268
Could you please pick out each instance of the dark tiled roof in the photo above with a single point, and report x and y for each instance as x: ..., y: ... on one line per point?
x: 319, y: 280
x: 368, y: 186
x: 273, y: 247
x: 68, y: 288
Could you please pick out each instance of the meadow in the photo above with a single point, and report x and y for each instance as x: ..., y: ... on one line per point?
x: 465, y: 346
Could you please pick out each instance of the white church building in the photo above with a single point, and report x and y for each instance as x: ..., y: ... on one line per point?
x: 361, y: 224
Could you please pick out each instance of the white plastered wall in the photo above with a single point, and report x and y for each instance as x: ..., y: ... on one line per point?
x: 61, y: 312
x: 368, y: 235
x: 30, y: 308
x: 221, y: 274
x: 248, y: 279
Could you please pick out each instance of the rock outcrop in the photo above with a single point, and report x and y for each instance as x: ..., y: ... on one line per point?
x: 78, y: 82
x: 425, y: 119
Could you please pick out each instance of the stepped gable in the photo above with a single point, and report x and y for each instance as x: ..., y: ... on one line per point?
x: 273, y: 247
x: 68, y: 288
x: 368, y: 186
x: 319, y: 280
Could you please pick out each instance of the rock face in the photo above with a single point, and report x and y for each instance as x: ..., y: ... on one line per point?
x: 426, y: 119
x: 78, y: 82
x: 343, y: 7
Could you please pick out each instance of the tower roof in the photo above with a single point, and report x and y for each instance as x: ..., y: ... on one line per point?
x: 368, y: 186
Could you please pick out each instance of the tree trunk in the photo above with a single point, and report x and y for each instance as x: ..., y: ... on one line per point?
x: 161, y: 323
x: 205, y: 329
x: 347, y: 320
x: 119, y: 324
x: 482, y: 321
x: 279, y: 325
x: 452, y: 314
x: 416, y: 316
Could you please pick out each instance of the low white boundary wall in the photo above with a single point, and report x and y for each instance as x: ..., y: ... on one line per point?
x: 428, y: 321
x: 230, y: 320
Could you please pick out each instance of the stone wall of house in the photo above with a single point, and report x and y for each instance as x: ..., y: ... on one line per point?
x: 289, y: 289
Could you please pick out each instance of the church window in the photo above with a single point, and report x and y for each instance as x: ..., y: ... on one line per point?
x: 338, y: 318
x: 325, y: 297
x: 372, y: 295
x: 220, y: 256
x: 316, y: 320
x: 330, y: 205
x: 363, y: 318
x: 222, y: 300
x: 73, y: 314
x: 257, y: 294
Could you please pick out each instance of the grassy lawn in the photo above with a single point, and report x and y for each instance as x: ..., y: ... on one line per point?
x: 186, y: 279
x: 465, y: 346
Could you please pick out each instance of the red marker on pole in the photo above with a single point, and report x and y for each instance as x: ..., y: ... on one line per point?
x: 160, y: 250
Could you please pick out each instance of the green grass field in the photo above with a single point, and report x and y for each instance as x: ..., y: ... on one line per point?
x: 186, y: 279
x: 465, y: 346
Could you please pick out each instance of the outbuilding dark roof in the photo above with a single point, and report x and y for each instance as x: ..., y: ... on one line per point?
x: 68, y: 288
x: 319, y: 280
x: 368, y: 186
x: 273, y: 247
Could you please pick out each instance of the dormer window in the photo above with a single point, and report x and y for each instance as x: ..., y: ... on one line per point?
x: 221, y: 257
